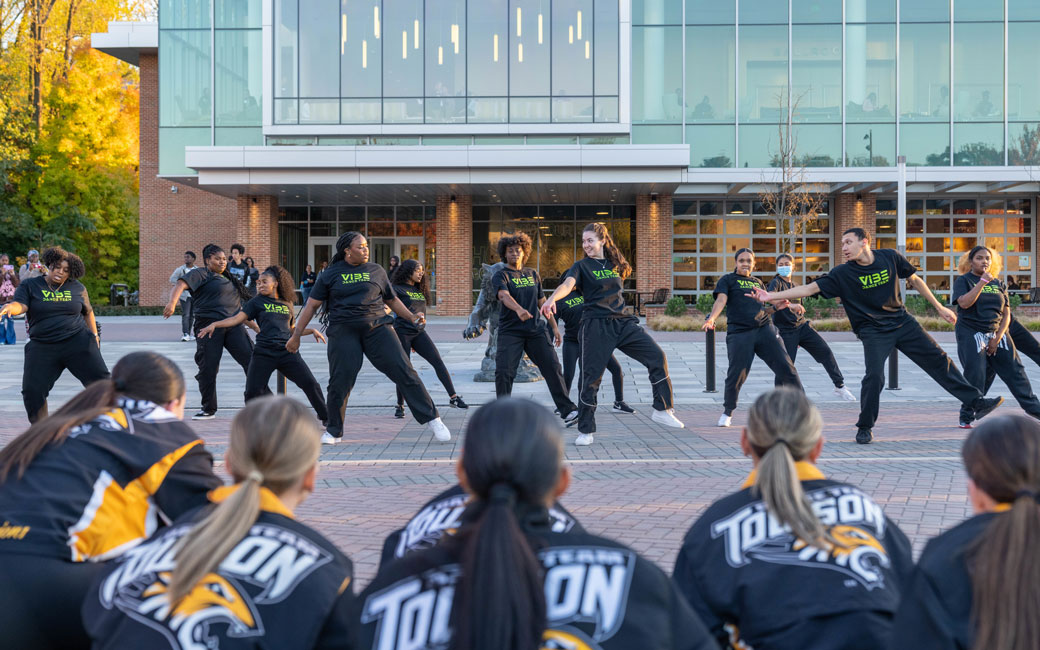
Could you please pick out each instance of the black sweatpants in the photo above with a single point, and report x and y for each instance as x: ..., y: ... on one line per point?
x: 978, y: 366
x: 910, y: 339
x: 599, y: 338
x: 742, y: 347
x: 571, y: 352
x: 805, y: 336
x: 44, y: 363
x: 425, y: 348
x: 265, y: 361
x: 40, y: 601
x: 208, y: 352
x: 349, y: 345
x: 1025, y: 344
x: 511, y: 348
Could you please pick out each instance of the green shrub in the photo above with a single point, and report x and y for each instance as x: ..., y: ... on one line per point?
x: 704, y: 303
x: 819, y: 307
x: 1016, y: 301
x: 675, y: 306
x: 134, y: 310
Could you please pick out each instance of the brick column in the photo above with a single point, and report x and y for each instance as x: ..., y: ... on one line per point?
x: 454, y: 255
x: 848, y: 213
x: 653, y: 242
x: 170, y: 222
x: 256, y: 228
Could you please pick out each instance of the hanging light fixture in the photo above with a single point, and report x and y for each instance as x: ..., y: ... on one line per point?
x: 520, y: 52
x: 539, y: 29
x: 570, y: 34
x: 375, y: 21
x: 416, y: 28
x: 579, y: 24
x: 404, y: 44
x: 587, y: 49
x: 364, y: 53
x: 518, y: 17
x: 495, y: 49
x: 343, y: 34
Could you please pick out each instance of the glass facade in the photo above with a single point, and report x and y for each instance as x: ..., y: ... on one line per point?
x: 446, y: 62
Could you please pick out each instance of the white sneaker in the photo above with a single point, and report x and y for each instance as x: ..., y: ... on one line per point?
x: 667, y: 418
x: 185, y: 337
x: 328, y: 439
x: 440, y: 432
x: 583, y: 439
x: 191, y: 338
x: 725, y: 421
x: 845, y: 394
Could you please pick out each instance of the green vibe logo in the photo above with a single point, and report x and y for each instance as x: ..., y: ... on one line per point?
x: 874, y: 280
x: 523, y: 282
x: 574, y: 302
x: 276, y: 309
x: 991, y: 288
x: 605, y: 274
x: 747, y: 284
x: 57, y: 296
x: 416, y: 296
x: 351, y: 278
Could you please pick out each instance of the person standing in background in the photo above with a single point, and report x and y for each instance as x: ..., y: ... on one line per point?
x: 307, y: 282
x: 185, y: 302
x: 8, y: 283
x: 237, y: 264
x: 252, y: 275
x: 32, y: 267
x: 395, y: 261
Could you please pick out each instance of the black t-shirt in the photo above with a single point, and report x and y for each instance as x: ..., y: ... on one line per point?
x: 275, y: 321
x: 985, y: 314
x: 743, y: 313
x: 525, y: 287
x: 870, y: 294
x: 238, y: 269
x: 308, y: 279
x: 54, y: 314
x: 600, y: 284
x: 785, y: 319
x: 414, y: 300
x: 569, y: 310
x: 213, y: 296
x: 356, y: 294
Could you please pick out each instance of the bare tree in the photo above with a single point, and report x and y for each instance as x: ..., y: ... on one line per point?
x: 795, y: 203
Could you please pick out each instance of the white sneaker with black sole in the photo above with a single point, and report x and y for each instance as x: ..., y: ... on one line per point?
x: 440, y: 431
x: 328, y: 439
x: 571, y: 419
x: 204, y: 415
x: 844, y: 393
x: 185, y: 337
x: 583, y: 439
x: 668, y: 419
x: 725, y: 421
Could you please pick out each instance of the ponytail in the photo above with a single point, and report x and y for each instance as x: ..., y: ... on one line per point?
x: 1002, y: 457
x: 139, y: 375
x: 610, y: 249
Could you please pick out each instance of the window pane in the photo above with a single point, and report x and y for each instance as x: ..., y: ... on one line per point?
x: 184, y: 78
x: 763, y: 73
x: 978, y: 10
x: 710, y: 12
x: 762, y: 11
x: 924, y: 71
x: 446, y: 50
x: 238, y: 85
x: 319, y: 111
x: 816, y: 73
x: 1023, y: 144
x: 319, y: 49
x: 870, y: 145
x: 711, y: 146
x: 1023, y: 10
x: 360, y: 50
x: 183, y: 13
x: 818, y: 145
x: 528, y: 59
x: 286, y: 111
x: 237, y: 13
x: 816, y: 11
x: 489, y: 110
x: 578, y: 109
x: 656, y: 74
x: 605, y: 48
x: 238, y: 136
x: 655, y: 12
x: 668, y: 134
x: 445, y: 110
x: 870, y: 11
x: 171, y: 148
x: 978, y: 144
x: 1023, y: 73
x: 285, y: 31
x: 758, y: 145
x: 403, y: 49
x: 921, y: 10
x: 925, y: 144
x: 606, y: 109
x: 406, y: 110
x: 488, y: 49
x: 529, y: 109
x: 978, y: 72
x: 870, y: 73
x: 710, y: 69
x: 571, y: 55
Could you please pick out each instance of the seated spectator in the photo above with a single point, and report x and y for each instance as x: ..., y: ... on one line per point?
x: 88, y: 484
x: 978, y: 584
x: 793, y: 560
x: 242, y: 573
x: 505, y: 580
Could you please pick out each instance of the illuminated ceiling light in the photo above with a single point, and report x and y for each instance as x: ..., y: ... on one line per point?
x: 455, y: 37
x: 539, y: 29
x: 570, y: 34
x: 518, y: 34
x: 495, y: 55
x: 343, y: 35
x: 602, y: 213
x: 404, y: 44
x: 415, y: 27
x: 440, y: 55
x: 364, y: 54
x: 579, y: 24
x: 520, y: 52
x: 375, y: 21
x: 586, y: 49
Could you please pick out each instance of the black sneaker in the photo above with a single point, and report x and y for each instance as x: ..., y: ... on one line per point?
x: 398, y: 411
x: 204, y: 415
x: 621, y: 407
x: 986, y: 406
x: 457, y: 402
x: 864, y: 436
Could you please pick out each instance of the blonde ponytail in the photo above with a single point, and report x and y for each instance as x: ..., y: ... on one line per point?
x: 274, y: 441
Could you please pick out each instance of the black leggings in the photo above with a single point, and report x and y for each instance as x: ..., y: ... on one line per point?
x: 571, y: 353
x: 425, y: 348
x: 806, y: 337
x: 208, y: 352
x: 40, y: 601
x: 349, y: 345
x: 291, y: 364
x: 742, y: 347
x: 44, y: 363
x: 511, y: 348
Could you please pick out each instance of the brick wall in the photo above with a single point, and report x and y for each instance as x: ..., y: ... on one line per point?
x: 454, y: 255
x: 171, y: 223
x: 653, y: 242
x: 256, y: 228
x: 849, y: 213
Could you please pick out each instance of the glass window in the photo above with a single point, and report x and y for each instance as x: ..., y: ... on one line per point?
x: 870, y: 73
x: 575, y: 109
x: 361, y: 55
x: 711, y: 146
x: 488, y: 51
x: 656, y: 134
x: 446, y: 55
x: 528, y: 58
x: 655, y: 12
x: 978, y: 144
x: 924, y: 11
x: 710, y: 12
x: 1023, y: 10
x: 710, y: 69
x: 605, y: 48
x: 285, y: 53
x: 870, y: 145
x: 870, y: 11
x: 978, y: 72
x: 319, y: 49
x: 816, y: 73
x: 572, y: 51
x: 1023, y: 73
x: 762, y: 11
x: 238, y: 70
x: 171, y: 148
x: 762, y: 73
x: 657, y: 74
x: 606, y: 109
x: 489, y: 110
x: 817, y: 145
x: 184, y: 78
x: 816, y: 11
x: 529, y: 109
x: 759, y: 145
x: 1023, y: 144
x: 406, y: 110
x: 183, y: 14
x: 925, y: 72
x: 238, y: 136
x: 236, y: 13
x: 978, y: 10
x: 925, y: 144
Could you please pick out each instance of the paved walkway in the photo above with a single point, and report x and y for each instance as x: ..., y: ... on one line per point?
x: 641, y: 483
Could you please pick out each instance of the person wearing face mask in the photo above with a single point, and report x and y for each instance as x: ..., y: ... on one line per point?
x: 796, y: 331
